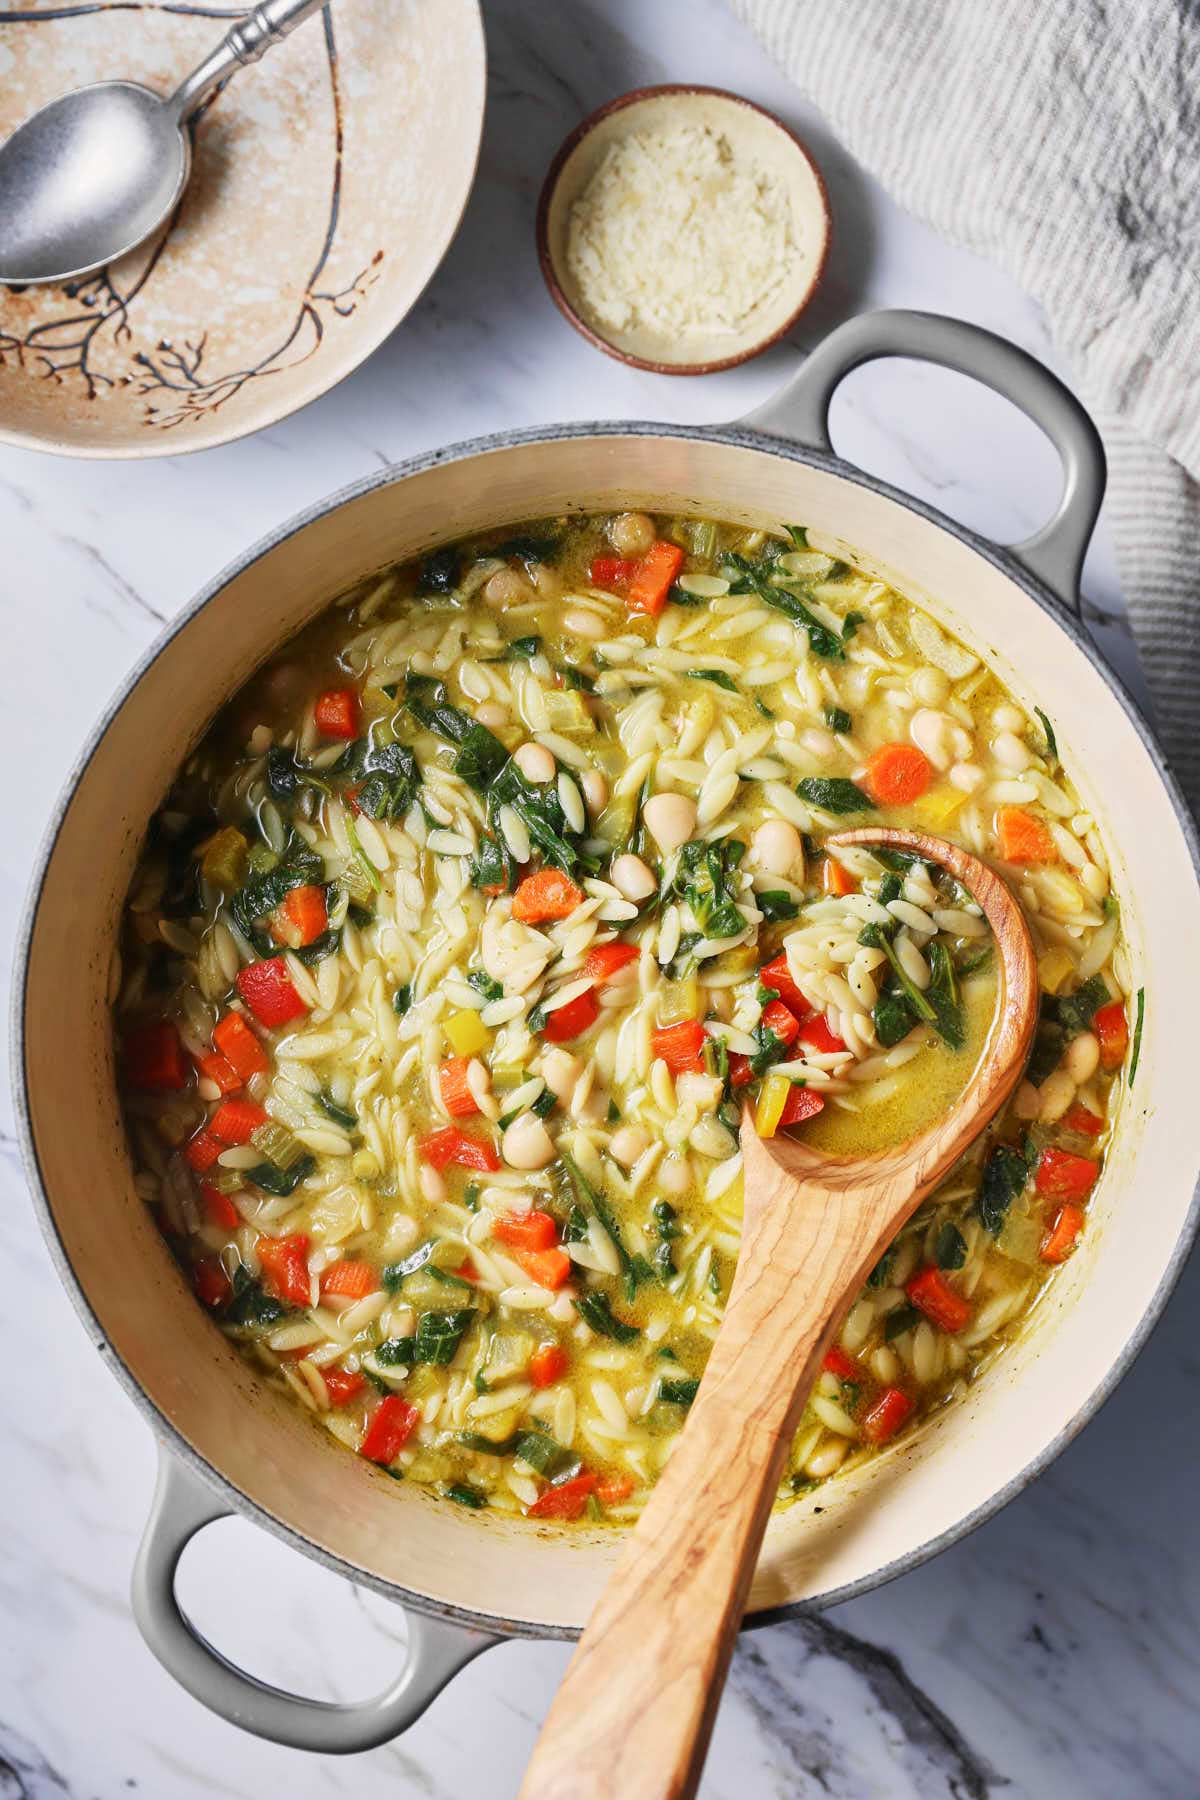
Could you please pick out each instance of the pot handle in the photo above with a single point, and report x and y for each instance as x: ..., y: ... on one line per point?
x: 437, y: 1650
x: 1054, y: 555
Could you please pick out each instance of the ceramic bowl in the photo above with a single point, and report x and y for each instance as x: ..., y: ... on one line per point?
x: 753, y: 134
x: 328, y: 182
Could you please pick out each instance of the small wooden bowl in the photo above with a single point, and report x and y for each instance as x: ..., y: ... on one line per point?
x: 767, y: 142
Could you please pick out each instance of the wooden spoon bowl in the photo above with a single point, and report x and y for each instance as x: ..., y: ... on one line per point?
x: 635, y: 1711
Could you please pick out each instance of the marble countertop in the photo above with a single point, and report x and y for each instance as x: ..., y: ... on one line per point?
x: 1056, y: 1651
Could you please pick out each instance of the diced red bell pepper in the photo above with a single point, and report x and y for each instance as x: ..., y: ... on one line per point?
x: 612, y: 571
x: 336, y: 713
x: 931, y: 1292
x: 1061, y: 1175
x: 450, y: 1145
x: 301, y: 917
x: 153, y: 1059
x: 220, y: 1208
x: 1083, y: 1121
x: 1059, y: 1241
x: 1112, y: 1029
x: 269, y: 992
x: 566, y: 1501
x: 777, y: 975
x: 211, y: 1282
x: 607, y: 960
x: 389, y: 1429
x: 215, y: 1068
x: 548, y: 1268
x: 285, y: 1265
x: 573, y: 1019
x: 239, y: 1046
x: 526, y: 1231
x: 342, y: 1385
x: 838, y: 1363
x: 455, y: 1089
x: 780, y: 1021
x: 466, y: 1270
x: 235, y: 1120
x: 885, y: 1416
x: 680, y: 1046
x: 548, y: 1364
x: 352, y: 1278
x: 549, y: 894
x: 612, y: 1489
x: 740, y: 1072
x: 651, y: 581
x: 202, y: 1150
x: 802, y: 1103
x: 816, y: 1035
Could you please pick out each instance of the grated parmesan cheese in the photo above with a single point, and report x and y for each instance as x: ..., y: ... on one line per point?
x: 674, y: 233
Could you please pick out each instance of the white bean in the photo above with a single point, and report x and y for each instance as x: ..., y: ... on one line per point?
x: 506, y: 588
x: 535, y: 763
x: 631, y: 533
x: 1010, y: 752
x: 491, y: 714
x: 671, y: 820
x: 779, y: 848
x: 929, y: 687
x: 675, y: 1175
x: 1055, y: 1096
x: 1082, y: 1058
x: 527, y: 1144
x: 631, y: 877
x: 560, y: 1071
x: 584, y: 624
x: 627, y: 1144
x: 595, y: 790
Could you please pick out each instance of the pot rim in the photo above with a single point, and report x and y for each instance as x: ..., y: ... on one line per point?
x: 734, y: 436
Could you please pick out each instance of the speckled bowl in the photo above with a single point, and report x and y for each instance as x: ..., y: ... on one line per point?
x: 328, y: 182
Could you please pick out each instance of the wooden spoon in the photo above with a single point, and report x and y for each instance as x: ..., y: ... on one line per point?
x: 633, y: 1716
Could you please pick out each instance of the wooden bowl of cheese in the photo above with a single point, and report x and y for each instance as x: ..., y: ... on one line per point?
x: 682, y: 229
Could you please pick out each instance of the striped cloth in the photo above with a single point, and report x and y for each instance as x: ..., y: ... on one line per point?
x: 1060, y: 138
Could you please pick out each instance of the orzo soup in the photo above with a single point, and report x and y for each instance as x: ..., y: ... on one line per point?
x: 467, y: 931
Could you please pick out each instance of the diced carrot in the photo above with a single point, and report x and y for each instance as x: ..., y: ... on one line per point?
x: 1112, y: 1029
x: 548, y: 1268
x: 234, y: 1120
x: 898, y: 774
x: 211, y: 1282
x: 548, y: 1364
x: 216, y: 1068
x: 342, y: 1385
x: 202, y: 1150
x: 336, y: 713
x: 835, y: 880
x: 269, y: 992
x: 816, y: 1035
x: 931, y: 1292
x: 573, y: 1019
x: 1080, y: 1119
x: 884, y: 1418
x: 607, y: 960
x: 239, y: 1046
x: 1024, y: 839
x: 1061, y: 1175
x: 612, y: 1489
x: 566, y: 1501
x: 285, y: 1265
x: 1059, y: 1241
x: 352, y: 1278
x: 838, y: 1363
x: 802, y: 1103
x: 153, y: 1059
x: 391, y: 1425
x: 450, y: 1145
x: 455, y: 1089
x: 219, y: 1208
x: 526, y: 1231
x: 777, y: 975
x: 547, y: 895
x: 652, y: 579
x: 466, y: 1270
x: 780, y: 1021
x: 740, y: 1072
x: 612, y: 571
x: 680, y: 1046
x: 301, y: 917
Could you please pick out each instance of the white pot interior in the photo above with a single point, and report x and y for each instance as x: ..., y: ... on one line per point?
x: 266, y: 1446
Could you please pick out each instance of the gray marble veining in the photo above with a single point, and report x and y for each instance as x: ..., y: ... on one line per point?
x: 1056, y: 1653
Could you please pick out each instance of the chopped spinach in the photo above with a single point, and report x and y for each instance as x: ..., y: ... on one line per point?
x: 251, y: 1304
x: 480, y: 755
x: 341, y: 1115
x: 749, y: 577
x: 327, y: 944
x: 298, y: 865
x: 1075, y: 1012
x: 395, y: 1273
x: 667, y: 1229
x: 402, y: 999
x: 881, y: 1273
x: 397, y: 1353
x: 527, y: 548
x: 438, y: 573
x: 595, y: 1310
x: 951, y: 1249
x: 1051, y: 740
x: 1137, y: 1034
x: 541, y: 812
x: 495, y: 867
x: 834, y: 794
x: 838, y: 719
x: 776, y: 904
x: 704, y: 878
x: 1003, y: 1179
x: 679, y: 1393
x: 440, y: 1333
x: 281, y: 1182
x: 900, y: 1319
x: 718, y: 677
x: 521, y: 649
x: 894, y: 1017
x: 465, y: 1495
x: 798, y: 535
x: 533, y: 1446
x: 943, y: 996
x: 485, y: 984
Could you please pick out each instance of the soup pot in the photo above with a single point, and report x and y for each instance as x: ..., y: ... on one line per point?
x: 232, y: 1444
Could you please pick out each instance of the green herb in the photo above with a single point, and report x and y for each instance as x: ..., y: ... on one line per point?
x: 1003, y: 1179
x: 951, y: 1249
x: 281, y: 1182
x: 718, y: 677
x: 521, y: 649
x: 402, y: 1000
x: 834, y: 794
x: 838, y: 719
x: 594, y: 1309
x: 678, y: 1393
x: 362, y: 859
x: 667, y: 1229
x: 440, y: 1333
x: 438, y: 573
x: 1137, y: 1034
x: 900, y: 1319
x: 762, y: 707
x: 776, y: 904
x: 465, y: 1495
x: 1051, y: 740
x: 704, y: 878
x: 485, y: 984
x: 340, y: 1115
x: 251, y: 1304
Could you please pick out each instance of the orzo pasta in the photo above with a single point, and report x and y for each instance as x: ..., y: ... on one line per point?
x: 477, y: 916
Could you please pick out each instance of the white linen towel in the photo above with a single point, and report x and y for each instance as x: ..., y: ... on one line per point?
x: 1060, y: 138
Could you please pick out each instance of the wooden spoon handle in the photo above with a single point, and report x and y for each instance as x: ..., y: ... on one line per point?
x: 633, y: 1716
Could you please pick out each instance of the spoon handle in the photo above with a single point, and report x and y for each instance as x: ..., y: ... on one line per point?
x: 242, y: 44
x: 633, y: 1716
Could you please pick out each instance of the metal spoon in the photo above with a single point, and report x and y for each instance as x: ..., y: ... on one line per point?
x: 94, y: 174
